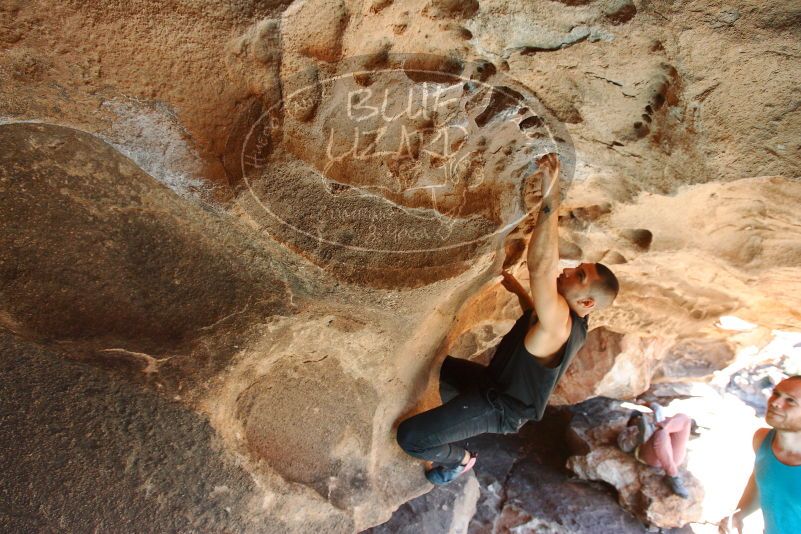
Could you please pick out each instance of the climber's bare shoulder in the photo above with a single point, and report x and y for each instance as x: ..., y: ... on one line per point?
x: 545, y: 340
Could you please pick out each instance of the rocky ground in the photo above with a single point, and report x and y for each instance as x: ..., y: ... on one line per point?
x: 524, y: 487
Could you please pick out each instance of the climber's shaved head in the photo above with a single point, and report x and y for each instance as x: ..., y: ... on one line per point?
x: 588, y: 287
x: 606, y: 287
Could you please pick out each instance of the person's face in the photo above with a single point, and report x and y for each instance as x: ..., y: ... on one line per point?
x: 784, y: 406
x: 574, y: 285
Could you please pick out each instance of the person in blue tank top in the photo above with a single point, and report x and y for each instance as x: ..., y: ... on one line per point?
x: 528, y: 362
x: 775, y: 483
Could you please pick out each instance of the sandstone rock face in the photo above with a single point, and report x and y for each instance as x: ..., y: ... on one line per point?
x: 283, y: 214
x: 311, y: 389
x: 277, y: 412
x: 101, y: 451
x: 98, y: 250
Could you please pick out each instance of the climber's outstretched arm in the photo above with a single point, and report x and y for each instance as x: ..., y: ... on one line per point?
x: 543, y: 255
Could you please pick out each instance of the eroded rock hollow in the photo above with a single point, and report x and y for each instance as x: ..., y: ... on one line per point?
x: 237, y: 238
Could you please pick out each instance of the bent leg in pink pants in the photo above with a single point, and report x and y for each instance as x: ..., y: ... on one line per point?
x: 668, y: 445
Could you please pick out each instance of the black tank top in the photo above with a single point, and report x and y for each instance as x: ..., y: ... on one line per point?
x: 527, y: 384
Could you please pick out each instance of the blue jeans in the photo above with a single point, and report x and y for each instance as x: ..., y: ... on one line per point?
x: 471, y: 406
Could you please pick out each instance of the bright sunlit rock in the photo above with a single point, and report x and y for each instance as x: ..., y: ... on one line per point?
x: 730, y: 322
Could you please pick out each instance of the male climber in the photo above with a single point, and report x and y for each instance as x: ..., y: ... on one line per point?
x: 529, y: 360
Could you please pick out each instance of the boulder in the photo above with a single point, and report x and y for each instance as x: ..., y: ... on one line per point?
x: 592, y: 437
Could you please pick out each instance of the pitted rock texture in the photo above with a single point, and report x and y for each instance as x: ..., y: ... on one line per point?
x: 302, y: 224
x: 642, y: 103
x: 405, y: 180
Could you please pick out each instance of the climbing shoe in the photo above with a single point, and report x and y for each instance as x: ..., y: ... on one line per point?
x: 441, y: 475
x: 677, y: 486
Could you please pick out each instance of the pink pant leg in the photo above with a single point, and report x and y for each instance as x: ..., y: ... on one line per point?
x: 679, y: 427
x: 668, y: 445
